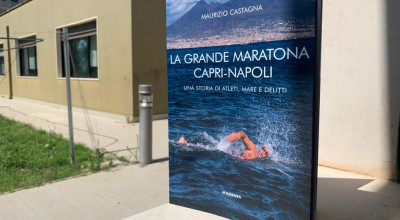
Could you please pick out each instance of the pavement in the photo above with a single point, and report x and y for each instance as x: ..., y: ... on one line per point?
x: 341, y: 195
x: 107, y: 195
x: 136, y: 192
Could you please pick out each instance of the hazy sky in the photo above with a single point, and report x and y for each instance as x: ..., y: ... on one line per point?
x: 177, y: 8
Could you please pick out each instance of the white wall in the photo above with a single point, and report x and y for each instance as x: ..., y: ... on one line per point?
x: 360, y: 86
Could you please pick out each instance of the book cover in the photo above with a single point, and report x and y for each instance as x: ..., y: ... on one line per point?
x: 243, y: 106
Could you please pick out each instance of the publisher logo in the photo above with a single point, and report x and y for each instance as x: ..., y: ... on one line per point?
x: 231, y: 194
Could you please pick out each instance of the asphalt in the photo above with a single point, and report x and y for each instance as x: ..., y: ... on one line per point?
x: 136, y: 192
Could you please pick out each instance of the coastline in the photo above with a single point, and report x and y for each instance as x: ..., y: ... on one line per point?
x: 270, y: 30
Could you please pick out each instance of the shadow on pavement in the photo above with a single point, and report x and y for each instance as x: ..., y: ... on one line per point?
x: 357, y: 199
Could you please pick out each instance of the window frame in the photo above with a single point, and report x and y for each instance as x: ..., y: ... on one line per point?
x: 25, y: 46
x: 85, y: 33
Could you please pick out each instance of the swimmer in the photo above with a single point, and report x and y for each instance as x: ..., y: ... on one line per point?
x: 249, y: 152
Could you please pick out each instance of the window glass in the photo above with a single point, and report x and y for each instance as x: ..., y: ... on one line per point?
x: 2, y: 67
x: 22, y: 62
x: 93, y: 55
x: 32, y: 58
x: 80, y: 57
x: 83, y: 51
x: 27, y: 57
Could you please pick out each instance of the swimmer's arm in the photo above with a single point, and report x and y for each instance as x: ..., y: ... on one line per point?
x: 247, y: 142
x: 249, y: 145
x: 236, y: 136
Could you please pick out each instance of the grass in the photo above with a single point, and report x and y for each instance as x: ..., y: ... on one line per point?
x: 30, y: 157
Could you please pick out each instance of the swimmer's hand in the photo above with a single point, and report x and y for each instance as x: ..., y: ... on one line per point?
x: 182, y: 140
x: 234, y: 136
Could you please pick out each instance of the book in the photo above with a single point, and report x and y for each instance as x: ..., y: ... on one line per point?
x: 243, y: 105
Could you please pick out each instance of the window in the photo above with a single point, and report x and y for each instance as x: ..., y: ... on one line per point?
x: 82, y: 41
x: 2, y: 69
x: 27, y: 56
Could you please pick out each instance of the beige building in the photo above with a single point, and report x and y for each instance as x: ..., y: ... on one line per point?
x: 115, y: 46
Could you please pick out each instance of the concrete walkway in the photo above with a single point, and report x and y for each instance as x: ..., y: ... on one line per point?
x: 129, y: 190
x: 106, y: 195
x: 341, y: 195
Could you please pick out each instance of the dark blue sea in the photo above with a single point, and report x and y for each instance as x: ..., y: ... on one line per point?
x: 278, y: 187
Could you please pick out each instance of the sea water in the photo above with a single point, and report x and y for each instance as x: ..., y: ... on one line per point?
x: 208, y: 173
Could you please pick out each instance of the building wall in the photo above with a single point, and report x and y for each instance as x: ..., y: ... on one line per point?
x: 150, y: 51
x: 360, y: 103
x: 112, y: 91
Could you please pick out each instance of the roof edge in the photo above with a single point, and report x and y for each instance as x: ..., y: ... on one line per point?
x: 14, y: 8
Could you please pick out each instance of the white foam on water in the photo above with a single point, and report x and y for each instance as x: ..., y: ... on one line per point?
x: 279, y: 142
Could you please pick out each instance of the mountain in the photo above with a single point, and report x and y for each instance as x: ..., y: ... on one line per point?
x: 191, y: 25
x: 188, y: 20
